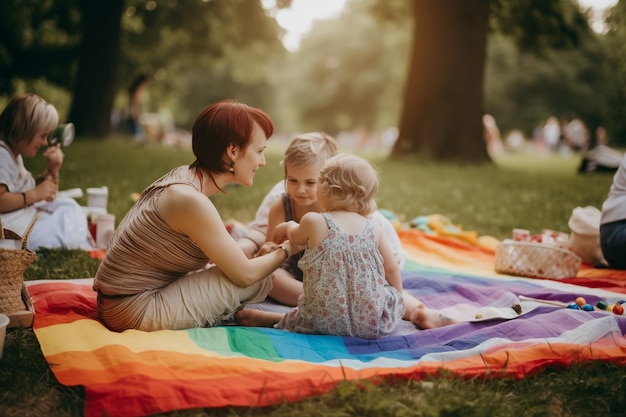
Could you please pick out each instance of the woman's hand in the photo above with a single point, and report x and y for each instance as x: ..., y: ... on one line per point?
x: 291, y: 248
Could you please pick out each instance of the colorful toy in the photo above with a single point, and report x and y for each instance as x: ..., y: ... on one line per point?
x: 581, y: 304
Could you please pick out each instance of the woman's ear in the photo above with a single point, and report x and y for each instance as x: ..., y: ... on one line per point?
x: 232, y: 151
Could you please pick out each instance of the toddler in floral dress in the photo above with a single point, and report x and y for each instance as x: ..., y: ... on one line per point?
x: 352, y: 282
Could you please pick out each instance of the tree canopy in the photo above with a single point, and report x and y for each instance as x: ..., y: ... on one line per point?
x: 357, y: 71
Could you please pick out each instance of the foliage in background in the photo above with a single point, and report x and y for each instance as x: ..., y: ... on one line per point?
x: 353, y: 67
x: 200, y: 52
x: 615, y: 43
x: 349, y: 74
x: 524, y: 89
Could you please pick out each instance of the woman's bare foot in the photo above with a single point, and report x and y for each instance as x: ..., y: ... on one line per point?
x: 425, y: 318
x: 257, y: 318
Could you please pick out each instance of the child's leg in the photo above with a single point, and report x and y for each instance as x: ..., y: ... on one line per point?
x: 421, y: 316
x: 251, y: 242
x: 285, y: 288
x: 257, y: 318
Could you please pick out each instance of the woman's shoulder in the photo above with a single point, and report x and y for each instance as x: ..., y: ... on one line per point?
x: 180, y: 174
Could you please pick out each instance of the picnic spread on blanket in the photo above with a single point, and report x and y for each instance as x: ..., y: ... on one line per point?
x: 509, y: 326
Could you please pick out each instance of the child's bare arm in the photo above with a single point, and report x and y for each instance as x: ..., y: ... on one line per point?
x: 281, y: 232
x: 392, y: 269
x: 275, y: 216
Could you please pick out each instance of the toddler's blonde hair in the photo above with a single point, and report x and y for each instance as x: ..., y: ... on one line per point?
x: 349, y: 183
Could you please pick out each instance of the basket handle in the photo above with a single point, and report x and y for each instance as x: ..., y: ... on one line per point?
x: 26, y: 233
x: 29, y: 229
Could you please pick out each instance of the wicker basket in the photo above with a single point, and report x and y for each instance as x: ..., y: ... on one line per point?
x: 536, y: 260
x: 13, y: 263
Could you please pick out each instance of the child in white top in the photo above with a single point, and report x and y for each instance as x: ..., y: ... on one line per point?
x: 25, y: 125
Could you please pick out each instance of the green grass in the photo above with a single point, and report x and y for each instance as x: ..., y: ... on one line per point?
x: 518, y: 191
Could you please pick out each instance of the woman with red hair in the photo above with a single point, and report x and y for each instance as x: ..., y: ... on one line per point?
x: 171, y: 263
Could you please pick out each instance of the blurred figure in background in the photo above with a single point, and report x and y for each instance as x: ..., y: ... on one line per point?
x: 493, y: 139
x: 599, y: 157
x: 551, y: 133
x: 137, y: 92
x: 576, y: 135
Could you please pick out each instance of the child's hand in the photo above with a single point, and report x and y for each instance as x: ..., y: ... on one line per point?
x: 54, y: 156
x: 280, y: 232
x: 47, y: 190
x: 267, y: 247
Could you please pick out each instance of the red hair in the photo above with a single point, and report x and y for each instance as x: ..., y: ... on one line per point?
x: 221, y: 125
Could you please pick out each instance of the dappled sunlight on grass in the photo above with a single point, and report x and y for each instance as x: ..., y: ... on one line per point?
x: 538, y: 163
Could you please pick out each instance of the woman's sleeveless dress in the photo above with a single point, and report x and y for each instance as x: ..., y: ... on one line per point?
x: 153, y: 277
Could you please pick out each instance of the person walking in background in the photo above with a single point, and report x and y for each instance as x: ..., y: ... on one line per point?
x: 25, y: 125
x: 136, y: 98
x: 493, y: 139
x: 171, y: 263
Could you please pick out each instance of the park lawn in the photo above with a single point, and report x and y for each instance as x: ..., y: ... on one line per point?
x: 528, y: 191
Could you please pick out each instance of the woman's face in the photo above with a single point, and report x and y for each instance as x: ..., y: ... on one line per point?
x: 29, y: 148
x: 301, y: 183
x: 252, y: 158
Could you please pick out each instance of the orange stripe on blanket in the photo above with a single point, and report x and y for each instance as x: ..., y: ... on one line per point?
x: 273, y: 385
x: 113, y: 362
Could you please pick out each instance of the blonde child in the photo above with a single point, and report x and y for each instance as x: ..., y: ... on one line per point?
x: 352, y: 282
x: 310, y: 149
x: 25, y: 125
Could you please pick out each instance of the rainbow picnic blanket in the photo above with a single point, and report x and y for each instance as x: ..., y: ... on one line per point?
x: 137, y: 373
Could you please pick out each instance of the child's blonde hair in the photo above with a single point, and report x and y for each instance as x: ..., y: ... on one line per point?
x: 24, y: 117
x: 349, y: 183
x: 309, y: 148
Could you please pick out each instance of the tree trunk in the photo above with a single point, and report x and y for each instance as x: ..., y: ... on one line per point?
x: 443, y: 101
x: 96, y: 81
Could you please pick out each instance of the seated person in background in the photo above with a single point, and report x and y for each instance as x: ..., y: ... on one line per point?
x: 352, y: 282
x: 291, y: 199
x: 25, y: 125
x: 599, y: 157
x: 613, y: 221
